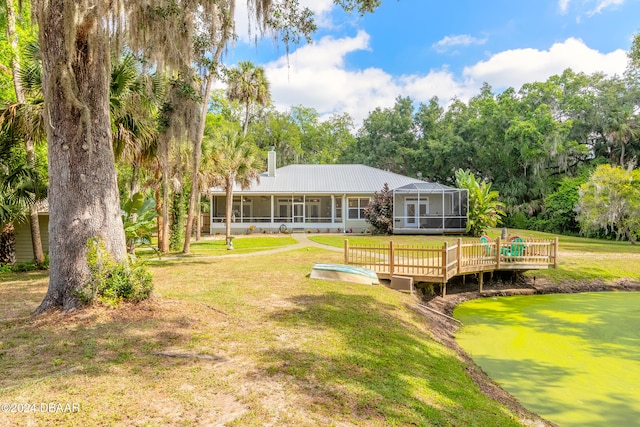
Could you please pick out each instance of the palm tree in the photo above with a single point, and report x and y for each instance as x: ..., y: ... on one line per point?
x: 621, y: 128
x: 135, y: 98
x: 24, y: 117
x: 234, y: 161
x: 208, y: 58
x: 248, y: 84
x: 21, y: 188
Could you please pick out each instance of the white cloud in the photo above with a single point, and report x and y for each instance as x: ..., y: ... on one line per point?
x: 604, y: 4
x: 317, y: 75
x: 564, y: 5
x: 518, y: 66
x: 457, y: 40
x: 321, y: 11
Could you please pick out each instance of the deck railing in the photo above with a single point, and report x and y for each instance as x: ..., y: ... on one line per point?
x: 439, y: 264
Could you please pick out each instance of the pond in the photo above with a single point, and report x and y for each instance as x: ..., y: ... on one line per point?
x: 572, y: 358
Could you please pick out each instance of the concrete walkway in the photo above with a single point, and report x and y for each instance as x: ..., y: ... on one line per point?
x: 302, y: 241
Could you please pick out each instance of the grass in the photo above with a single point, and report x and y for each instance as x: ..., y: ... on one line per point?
x: 560, y: 354
x: 367, y: 239
x: 216, y: 246
x: 283, y: 350
x: 263, y: 344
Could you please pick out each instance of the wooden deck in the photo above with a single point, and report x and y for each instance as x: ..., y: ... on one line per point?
x: 439, y: 264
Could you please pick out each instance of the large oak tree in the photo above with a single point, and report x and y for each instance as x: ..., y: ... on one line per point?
x: 75, y: 37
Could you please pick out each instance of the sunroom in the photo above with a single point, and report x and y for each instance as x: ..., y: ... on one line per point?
x: 429, y: 208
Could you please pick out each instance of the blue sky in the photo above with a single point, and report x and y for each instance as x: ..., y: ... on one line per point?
x: 426, y: 48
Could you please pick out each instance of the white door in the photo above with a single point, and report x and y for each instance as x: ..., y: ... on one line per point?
x: 413, y: 211
x: 298, y: 212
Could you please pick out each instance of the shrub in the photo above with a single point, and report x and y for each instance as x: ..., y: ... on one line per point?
x: 518, y: 220
x: 139, y: 218
x: 485, y: 211
x: 112, y: 282
x: 23, y: 267
x: 379, y: 213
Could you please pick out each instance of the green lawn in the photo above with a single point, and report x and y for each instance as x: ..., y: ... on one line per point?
x: 574, y: 359
x: 262, y: 344
x: 265, y: 345
x: 216, y: 246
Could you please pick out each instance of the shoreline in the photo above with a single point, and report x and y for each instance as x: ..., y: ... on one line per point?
x: 444, y: 329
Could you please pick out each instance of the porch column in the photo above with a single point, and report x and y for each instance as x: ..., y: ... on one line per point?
x: 273, y: 206
x: 333, y: 208
x: 211, y: 196
x: 393, y: 219
x: 345, y: 212
x: 442, y: 195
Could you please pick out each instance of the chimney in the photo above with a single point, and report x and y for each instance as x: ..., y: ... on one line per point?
x: 271, y: 162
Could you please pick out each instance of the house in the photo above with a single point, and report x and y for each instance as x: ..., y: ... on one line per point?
x: 332, y: 198
x: 23, y: 245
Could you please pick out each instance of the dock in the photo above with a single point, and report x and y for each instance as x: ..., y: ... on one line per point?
x: 439, y: 264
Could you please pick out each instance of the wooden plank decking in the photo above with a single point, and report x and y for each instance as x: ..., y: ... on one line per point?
x: 439, y: 264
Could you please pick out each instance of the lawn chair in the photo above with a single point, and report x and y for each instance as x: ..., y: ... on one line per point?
x: 515, y: 248
x: 486, y: 245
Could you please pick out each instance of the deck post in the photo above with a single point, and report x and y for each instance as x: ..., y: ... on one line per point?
x: 445, y: 260
x: 555, y: 252
x: 391, y: 257
x: 346, y: 251
x: 498, y: 253
x: 459, y: 254
x: 480, y: 279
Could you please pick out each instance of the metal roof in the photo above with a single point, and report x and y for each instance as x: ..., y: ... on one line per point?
x: 424, y: 187
x: 326, y: 179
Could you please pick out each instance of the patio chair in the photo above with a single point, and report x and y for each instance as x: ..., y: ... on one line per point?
x: 515, y: 248
x: 486, y: 245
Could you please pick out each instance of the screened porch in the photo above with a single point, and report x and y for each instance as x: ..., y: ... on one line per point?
x: 317, y: 213
x: 429, y: 208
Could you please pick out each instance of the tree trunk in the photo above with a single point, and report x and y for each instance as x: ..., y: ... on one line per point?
x: 83, y: 194
x: 245, y: 126
x: 34, y: 224
x: 158, y: 195
x: 229, y: 191
x: 159, y: 217
x: 36, y: 239
x: 134, y: 186
x: 197, y: 150
x: 7, y: 244
x: 197, y: 154
x: 198, y: 220
x: 166, y: 223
